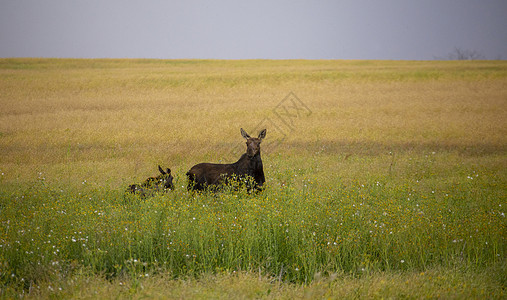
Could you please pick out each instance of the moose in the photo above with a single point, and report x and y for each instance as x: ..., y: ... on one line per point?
x: 162, y: 182
x: 248, y: 168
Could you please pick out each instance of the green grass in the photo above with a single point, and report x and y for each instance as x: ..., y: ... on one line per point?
x: 295, y: 231
x: 395, y: 180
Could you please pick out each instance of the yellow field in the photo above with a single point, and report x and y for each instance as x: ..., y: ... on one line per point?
x: 435, y: 131
x: 114, y: 120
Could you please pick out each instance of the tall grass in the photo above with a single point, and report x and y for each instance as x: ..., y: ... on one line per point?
x: 293, y: 231
x: 400, y: 167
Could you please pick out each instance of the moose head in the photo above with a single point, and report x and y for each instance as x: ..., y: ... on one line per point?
x: 253, y: 145
x: 165, y: 178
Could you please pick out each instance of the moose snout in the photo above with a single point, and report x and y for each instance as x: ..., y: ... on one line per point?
x: 251, y: 152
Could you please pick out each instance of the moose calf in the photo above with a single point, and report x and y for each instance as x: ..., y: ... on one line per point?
x: 162, y: 182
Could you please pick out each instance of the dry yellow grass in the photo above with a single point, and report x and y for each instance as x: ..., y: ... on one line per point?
x: 421, y: 285
x: 120, y: 117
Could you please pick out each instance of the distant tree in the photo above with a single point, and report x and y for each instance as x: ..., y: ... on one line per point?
x: 460, y: 54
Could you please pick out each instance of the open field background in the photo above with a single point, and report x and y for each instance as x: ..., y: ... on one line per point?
x: 381, y: 173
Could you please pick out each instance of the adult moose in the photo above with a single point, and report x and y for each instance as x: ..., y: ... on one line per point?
x: 205, y: 175
x: 162, y: 182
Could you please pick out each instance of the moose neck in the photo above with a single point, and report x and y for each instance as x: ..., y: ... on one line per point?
x: 252, y: 158
x: 245, y: 159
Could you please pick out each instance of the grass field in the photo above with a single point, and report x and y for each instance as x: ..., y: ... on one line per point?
x: 383, y: 179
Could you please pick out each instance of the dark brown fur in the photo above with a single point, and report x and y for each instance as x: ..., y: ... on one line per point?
x: 204, y: 175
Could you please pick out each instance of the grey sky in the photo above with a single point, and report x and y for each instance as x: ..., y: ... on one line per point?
x: 383, y: 29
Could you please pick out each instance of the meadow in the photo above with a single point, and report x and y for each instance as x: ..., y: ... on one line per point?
x: 383, y: 179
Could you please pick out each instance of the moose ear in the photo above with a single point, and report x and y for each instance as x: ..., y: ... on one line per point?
x: 168, y: 172
x: 262, y: 134
x: 160, y: 169
x: 244, y: 134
